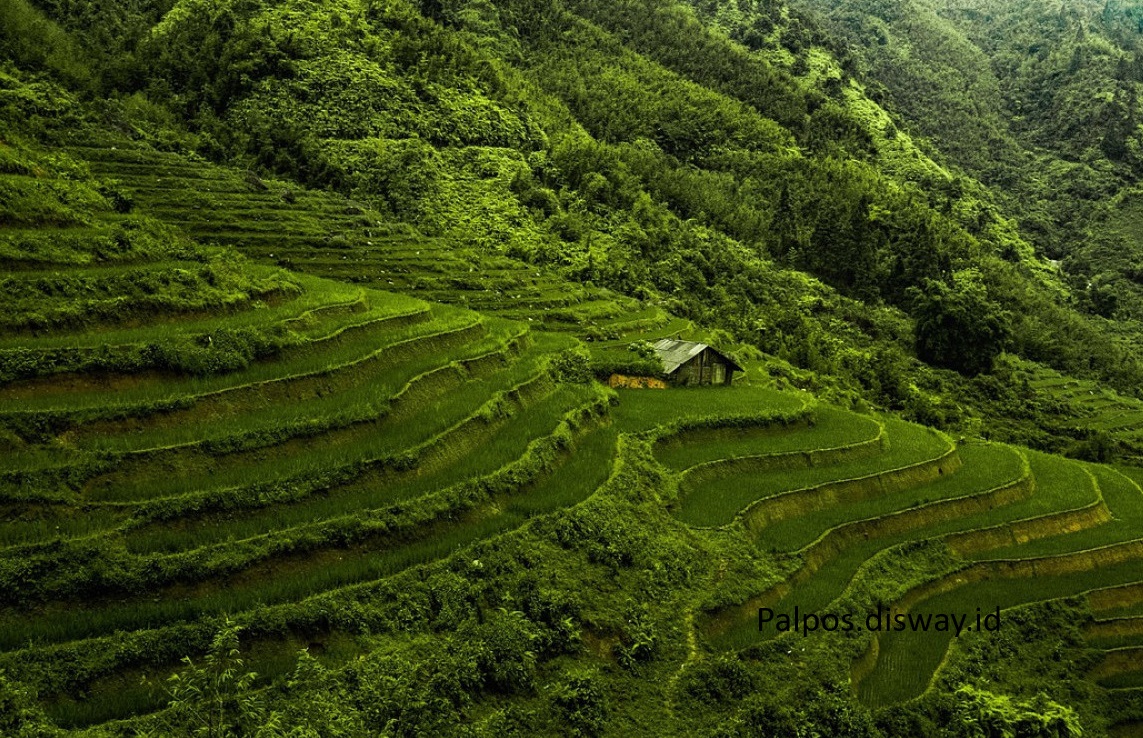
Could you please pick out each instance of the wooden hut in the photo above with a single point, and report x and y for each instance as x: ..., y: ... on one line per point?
x: 690, y: 363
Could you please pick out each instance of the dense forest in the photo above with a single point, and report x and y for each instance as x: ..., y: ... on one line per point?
x: 921, y: 211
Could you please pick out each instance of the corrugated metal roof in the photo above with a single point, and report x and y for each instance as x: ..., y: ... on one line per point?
x: 676, y: 353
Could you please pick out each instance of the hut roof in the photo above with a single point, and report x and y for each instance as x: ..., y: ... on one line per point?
x: 676, y: 353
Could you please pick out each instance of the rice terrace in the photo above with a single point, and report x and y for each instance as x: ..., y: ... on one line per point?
x: 568, y: 368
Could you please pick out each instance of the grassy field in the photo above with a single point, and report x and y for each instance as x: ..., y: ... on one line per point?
x: 986, y: 467
x: 378, y: 433
x: 350, y: 407
x: 325, y: 235
x: 642, y: 410
x: 831, y: 428
x: 904, y: 655
x: 716, y: 502
x: 908, y: 659
x: 1096, y: 408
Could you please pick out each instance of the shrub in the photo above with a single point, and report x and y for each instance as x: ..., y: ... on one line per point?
x: 579, y: 701
x: 980, y: 712
x: 718, y: 681
x: 605, y: 363
x: 224, y: 350
x: 640, y: 643
x: 20, y: 715
x: 504, y: 649
x: 572, y: 365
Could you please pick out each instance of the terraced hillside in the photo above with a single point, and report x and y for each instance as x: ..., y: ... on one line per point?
x: 193, y: 439
x: 966, y: 527
x: 188, y: 434
x: 328, y: 235
x: 1098, y: 411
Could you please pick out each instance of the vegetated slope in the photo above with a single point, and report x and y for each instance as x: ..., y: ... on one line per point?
x: 925, y: 532
x: 642, y: 151
x: 345, y: 487
x: 329, y: 235
x: 228, y: 440
x: 413, y: 431
x: 317, y: 487
x: 1039, y: 100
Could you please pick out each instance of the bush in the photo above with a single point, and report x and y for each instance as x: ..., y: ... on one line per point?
x: 572, y: 365
x: 640, y: 642
x: 719, y: 681
x: 224, y: 350
x: 20, y: 715
x: 504, y: 649
x: 979, y: 712
x: 579, y: 701
x: 604, y: 363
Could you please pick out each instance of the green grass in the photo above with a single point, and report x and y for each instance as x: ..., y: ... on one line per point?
x: 1061, y: 486
x: 364, y: 396
x: 670, y: 329
x: 641, y: 410
x: 1128, y: 660
x: 1095, y: 407
x: 986, y: 467
x: 908, y: 660
x: 292, y: 580
x: 650, y: 316
x: 573, y: 480
x: 1119, y: 420
x: 344, y: 350
x: 119, y: 700
x: 716, y: 502
x: 316, y: 294
x: 832, y: 428
x: 907, y: 654
x: 194, y: 467
x: 503, y: 444
x: 340, y: 448
x: 1108, y: 642
x: 1123, y: 499
x: 68, y: 523
x: 1120, y: 611
x: 159, y: 295
x: 66, y: 623
x: 63, y: 284
x: 1130, y: 680
x: 103, y: 243
x: 323, y: 234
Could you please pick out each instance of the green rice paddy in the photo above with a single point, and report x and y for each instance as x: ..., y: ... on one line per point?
x: 716, y: 502
x: 389, y: 432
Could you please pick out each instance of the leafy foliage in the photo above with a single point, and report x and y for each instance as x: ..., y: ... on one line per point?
x: 734, y: 164
x: 958, y: 326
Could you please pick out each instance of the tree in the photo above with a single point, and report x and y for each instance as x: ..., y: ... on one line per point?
x: 215, y: 699
x: 958, y: 325
x: 20, y: 715
x: 982, y: 714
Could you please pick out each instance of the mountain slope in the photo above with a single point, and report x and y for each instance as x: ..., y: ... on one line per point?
x: 464, y: 533
x: 1038, y: 100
